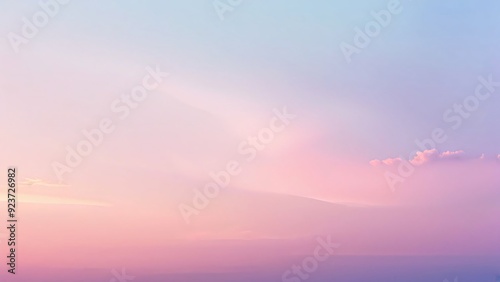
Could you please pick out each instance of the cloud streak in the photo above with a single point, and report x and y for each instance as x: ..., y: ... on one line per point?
x: 426, y: 157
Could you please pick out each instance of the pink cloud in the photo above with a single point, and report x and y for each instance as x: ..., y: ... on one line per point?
x: 421, y: 158
x: 425, y: 157
x: 389, y: 161
x: 452, y: 154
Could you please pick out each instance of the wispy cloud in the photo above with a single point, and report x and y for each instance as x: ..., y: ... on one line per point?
x: 40, y: 182
x: 52, y: 200
x: 425, y: 157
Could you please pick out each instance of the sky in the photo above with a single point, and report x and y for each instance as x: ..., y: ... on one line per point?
x: 223, y: 140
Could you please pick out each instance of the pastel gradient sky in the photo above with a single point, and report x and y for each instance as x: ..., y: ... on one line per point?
x: 324, y: 174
